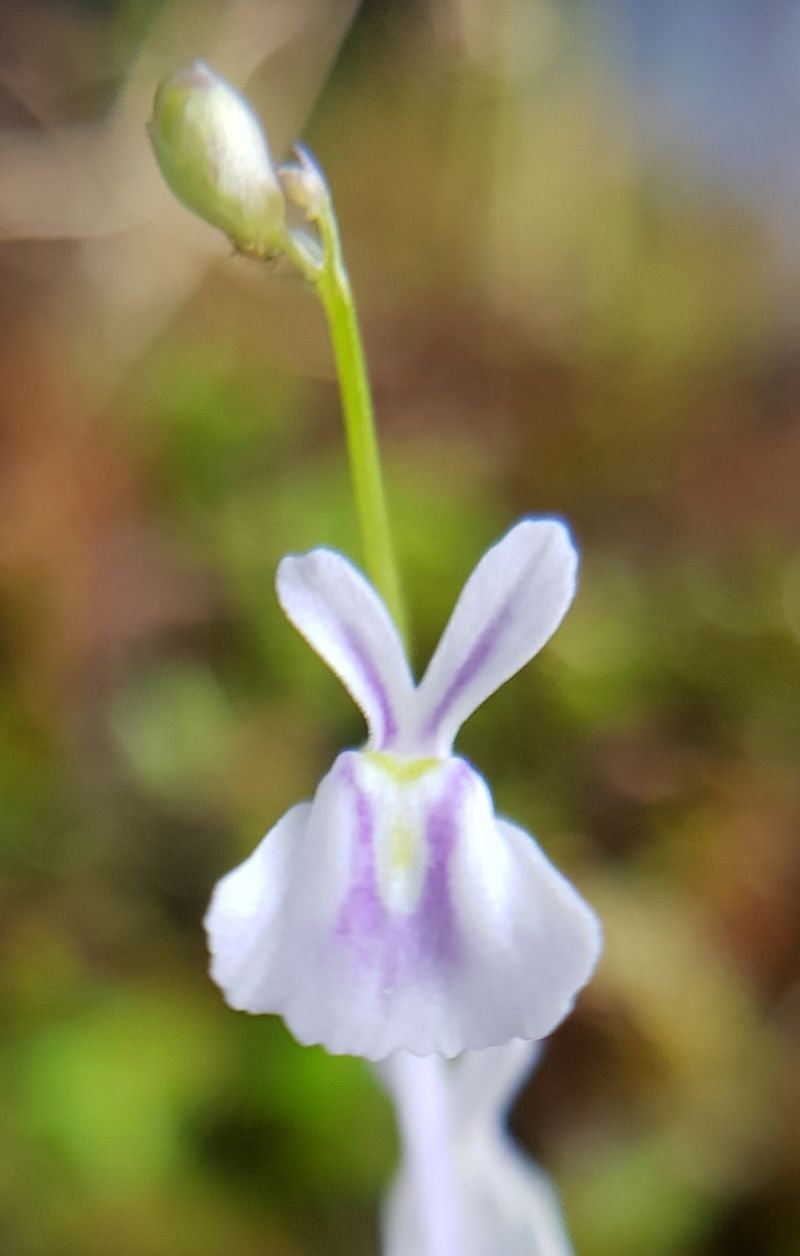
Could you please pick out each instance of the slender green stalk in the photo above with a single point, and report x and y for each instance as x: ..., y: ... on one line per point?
x: 333, y: 288
x: 215, y: 157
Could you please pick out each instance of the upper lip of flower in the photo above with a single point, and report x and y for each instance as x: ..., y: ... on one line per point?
x: 511, y: 604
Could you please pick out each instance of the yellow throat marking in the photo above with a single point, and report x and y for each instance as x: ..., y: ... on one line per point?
x: 402, y: 846
x: 402, y: 849
x: 401, y: 771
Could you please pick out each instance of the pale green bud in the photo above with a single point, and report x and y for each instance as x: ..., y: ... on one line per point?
x: 214, y: 156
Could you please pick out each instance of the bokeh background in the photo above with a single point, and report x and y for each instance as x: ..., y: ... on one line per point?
x: 573, y: 230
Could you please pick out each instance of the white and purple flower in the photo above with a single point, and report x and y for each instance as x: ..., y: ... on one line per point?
x: 395, y: 910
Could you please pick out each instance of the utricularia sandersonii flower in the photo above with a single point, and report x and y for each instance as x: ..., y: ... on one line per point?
x: 396, y: 910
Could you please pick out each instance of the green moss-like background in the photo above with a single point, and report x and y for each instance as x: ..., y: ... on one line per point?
x: 559, y: 319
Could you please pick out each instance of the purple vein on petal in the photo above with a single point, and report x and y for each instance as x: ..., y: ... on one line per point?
x: 362, y: 915
x: 371, y: 675
x: 400, y: 947
x: 480, y: 653
x: 434, y: 921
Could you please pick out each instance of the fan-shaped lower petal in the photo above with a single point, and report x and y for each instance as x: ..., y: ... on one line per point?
x: 396, y: 912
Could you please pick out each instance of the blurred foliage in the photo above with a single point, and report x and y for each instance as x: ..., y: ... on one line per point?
x: 560, y: 318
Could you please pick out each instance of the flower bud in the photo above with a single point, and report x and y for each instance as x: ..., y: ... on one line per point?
x: 214, y: 156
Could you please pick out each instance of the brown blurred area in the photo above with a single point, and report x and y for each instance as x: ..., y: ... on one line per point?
x: 561, y: 316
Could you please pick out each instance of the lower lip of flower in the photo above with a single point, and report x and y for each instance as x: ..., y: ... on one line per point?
x: 404, y: 825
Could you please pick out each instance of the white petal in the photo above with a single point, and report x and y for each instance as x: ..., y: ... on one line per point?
x: 510, y: 606
x: 397, y: 912
x: 534, y: 942
x: 245, y: 918
x: 506, y: 1204
x: 344, y: 620
x: 513, y: 1206
x: 485, y: 1083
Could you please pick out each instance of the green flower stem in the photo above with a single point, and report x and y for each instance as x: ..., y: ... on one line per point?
x: 333, y: 288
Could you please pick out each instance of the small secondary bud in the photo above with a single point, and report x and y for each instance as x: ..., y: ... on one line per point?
x: 214, y: 156
x: 304, y: 183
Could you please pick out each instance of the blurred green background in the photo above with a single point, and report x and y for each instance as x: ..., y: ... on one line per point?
x: 564, y: 312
